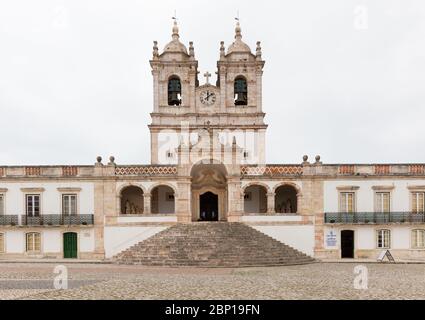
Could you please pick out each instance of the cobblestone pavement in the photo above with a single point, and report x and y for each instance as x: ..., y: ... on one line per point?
x: 314, y: 281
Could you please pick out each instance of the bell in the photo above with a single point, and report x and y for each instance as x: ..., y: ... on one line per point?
x: 174, y: 99
x: 241, y: 99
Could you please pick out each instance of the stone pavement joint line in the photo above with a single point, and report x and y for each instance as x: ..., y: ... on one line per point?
x: 312, y: 281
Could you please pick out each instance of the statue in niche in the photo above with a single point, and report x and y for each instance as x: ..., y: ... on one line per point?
x: 133, y: 209
x: 127, y: 207
x: 288, y: 206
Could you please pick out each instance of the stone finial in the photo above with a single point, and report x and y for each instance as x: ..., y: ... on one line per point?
x: 238, y: 31
x: 99, y: 159
x: 305, y: 158
x: 155, y: 49
x: 258, y: 51
x: 234, y: 141
x: 317, y: 158
x: 191, y: 49
x: 175, y: 34
x: 222, y: 49
x: 111, y: 160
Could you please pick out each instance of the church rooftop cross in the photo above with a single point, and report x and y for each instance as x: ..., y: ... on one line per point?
x: 207, y: 76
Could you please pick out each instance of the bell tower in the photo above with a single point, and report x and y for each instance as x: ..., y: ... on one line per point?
x: 232, y: 108
x: 175, y: 77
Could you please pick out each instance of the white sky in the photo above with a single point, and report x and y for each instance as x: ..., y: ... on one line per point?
x: 75, y: 79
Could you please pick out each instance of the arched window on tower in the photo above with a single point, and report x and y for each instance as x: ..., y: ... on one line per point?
x: 241, y: 91
x: 174, y: 91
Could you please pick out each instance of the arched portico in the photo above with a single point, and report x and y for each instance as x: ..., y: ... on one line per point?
x: 162, y: 197
x: 256, y: 198
x: 209, y: 192
x: 287, y: 198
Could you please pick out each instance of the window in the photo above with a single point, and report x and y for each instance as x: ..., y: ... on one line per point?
x: 2, y: 250
x: 33, y: 242
x: 174, y: 91
x: 1, y: 204
x: 383, y: 239
x: 33, y: 205
x: 69, y: 204
x: 346, y: 202
x: 382, y: 202
x: 418, y: 202
x: 418, y: 239
x: 241, y: 92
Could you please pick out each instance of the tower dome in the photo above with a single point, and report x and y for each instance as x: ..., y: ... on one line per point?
x: 175, y: 45
x: 238, y: 45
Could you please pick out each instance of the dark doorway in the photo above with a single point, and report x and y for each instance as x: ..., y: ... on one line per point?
x: 70, y: 249
x: 208, y: 207
x: 347, y: 244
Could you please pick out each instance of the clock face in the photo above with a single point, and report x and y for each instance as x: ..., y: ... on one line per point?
x: 207, y: 97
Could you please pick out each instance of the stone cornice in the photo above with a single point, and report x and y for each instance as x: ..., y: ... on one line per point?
x: 32, y: 190
x: 69, y: 189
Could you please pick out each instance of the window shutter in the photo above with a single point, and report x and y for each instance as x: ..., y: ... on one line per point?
x: 1, y: 205
x: 2, y: 249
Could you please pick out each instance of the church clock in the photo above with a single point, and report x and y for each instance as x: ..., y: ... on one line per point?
x: 207, y: 97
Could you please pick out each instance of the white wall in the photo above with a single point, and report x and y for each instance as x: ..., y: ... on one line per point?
x: 51, y: 241
x: 298, y: 237
x: 50, y: 198
x: 400, y: 195
x: 86, y: 240
x: 118, y: 239
x: 365, y: 236
x: 15, y: 241
x: 253, y: 205
x: 165, y: 206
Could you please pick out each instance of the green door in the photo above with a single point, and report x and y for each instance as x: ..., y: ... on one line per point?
x: 70, y: 245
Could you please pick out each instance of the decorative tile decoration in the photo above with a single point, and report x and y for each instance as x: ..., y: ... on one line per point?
x: 145, y: 170
x: 346, y: 169
x: 417, y: 169
x: 69, y: 171
x: 32, y: 171
x: 273, y: 170
x: 382, y: 169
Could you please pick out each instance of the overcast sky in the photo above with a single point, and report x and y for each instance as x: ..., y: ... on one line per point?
x: 343, y: 79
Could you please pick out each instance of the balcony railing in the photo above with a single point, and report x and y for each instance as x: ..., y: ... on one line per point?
x: 9, y: 220
x: 374, y: 217
x: 58, y: 220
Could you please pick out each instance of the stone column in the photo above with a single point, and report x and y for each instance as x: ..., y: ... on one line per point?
x: 182, y: 201
x: 235, y: 200
x: 271, y: 203
x: 146, y: 203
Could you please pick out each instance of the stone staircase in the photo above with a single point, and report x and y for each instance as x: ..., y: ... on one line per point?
x: 211, y: 244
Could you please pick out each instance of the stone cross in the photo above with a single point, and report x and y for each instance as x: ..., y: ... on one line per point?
x: 207, y: 76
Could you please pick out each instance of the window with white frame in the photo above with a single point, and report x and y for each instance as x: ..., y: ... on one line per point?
x: 418, y: 239
x: 33, y: 242
x: 347, y: 202
x: 2, y: 249
x: 382, y: 201
x: 383, y: 239
x: 69, y: 204
x: 1, y: 204
x: 33, y: 205
x: 418, y: 202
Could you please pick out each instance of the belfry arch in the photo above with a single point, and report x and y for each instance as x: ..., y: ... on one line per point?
x: 209, y: 192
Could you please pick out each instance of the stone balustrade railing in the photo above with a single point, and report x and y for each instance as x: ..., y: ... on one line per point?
x: 271, y: 170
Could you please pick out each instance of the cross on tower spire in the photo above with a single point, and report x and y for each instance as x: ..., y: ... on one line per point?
x: 207, y: 76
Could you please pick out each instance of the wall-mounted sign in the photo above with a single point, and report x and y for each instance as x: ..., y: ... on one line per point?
x: 330, y: 238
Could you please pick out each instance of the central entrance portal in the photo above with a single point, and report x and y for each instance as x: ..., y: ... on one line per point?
x: 208, y: 207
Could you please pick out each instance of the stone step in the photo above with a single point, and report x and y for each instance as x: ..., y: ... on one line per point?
x: 216, y: 244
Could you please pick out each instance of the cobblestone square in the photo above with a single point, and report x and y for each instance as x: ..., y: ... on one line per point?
x: 313, y: 281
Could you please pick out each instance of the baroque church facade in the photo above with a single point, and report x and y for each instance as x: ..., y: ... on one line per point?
x: 208, y: 165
